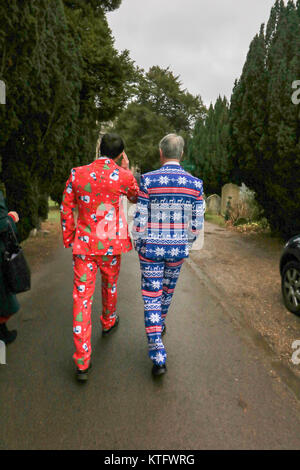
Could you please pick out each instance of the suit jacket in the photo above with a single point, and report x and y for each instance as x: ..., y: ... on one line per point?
x: 96, y: 190
x: 169, y: 213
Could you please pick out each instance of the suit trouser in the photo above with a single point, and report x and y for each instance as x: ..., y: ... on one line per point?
x: 85, y: 272
x: 159, y: 279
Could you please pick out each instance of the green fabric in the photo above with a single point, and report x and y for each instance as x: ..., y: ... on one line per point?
x: 8, y: 302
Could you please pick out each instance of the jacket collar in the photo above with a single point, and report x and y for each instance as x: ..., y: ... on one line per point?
x: 171, y: 163
x: 105, y: 161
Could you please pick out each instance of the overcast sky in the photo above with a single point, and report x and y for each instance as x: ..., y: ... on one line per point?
x: 203, y: 41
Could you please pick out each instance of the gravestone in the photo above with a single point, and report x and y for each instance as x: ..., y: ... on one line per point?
x: 230, y: 192
x: 213, y: 204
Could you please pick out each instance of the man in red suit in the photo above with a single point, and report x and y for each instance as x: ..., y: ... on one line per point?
x: 98, y: 238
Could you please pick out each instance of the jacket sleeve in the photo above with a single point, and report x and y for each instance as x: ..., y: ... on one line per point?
x: 140, y: 224
x: 4, y: 216
x: 67, y: 213
x: 197, y: 217
x: 132, y: 188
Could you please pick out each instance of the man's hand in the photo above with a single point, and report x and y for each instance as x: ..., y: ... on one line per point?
x: 125, y: 161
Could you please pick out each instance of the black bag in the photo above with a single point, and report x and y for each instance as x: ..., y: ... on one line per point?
x: 15, y: 268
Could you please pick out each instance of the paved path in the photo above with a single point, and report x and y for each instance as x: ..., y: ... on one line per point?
x: 218, y: 393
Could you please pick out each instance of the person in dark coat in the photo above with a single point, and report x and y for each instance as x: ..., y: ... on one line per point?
x: 8, y: 301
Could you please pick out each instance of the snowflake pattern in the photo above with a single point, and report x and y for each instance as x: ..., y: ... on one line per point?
x: 182, y: 180
x: 159, y: 280
x: 155, y: 284
x: 177, y: 216
x: 160, y: 251
x: 169, y: 221
x: 147, y: 182
x: 154, y: 318
x: 168, y: 215
x: 160, y: 358
x: 198, y: 184
x: 164, y: 180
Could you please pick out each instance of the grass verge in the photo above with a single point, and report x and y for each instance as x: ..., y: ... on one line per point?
x: 215, y: 219
x: 39, y: 249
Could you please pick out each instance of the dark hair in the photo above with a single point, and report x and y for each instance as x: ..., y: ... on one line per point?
x: 111, y: 145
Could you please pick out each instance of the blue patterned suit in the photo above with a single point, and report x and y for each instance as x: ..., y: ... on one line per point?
x: 168, y: 219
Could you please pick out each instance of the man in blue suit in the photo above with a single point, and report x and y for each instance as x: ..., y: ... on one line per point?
x: 168, y: 220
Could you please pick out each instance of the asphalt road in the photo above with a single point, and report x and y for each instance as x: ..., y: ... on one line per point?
x: 218, y: 392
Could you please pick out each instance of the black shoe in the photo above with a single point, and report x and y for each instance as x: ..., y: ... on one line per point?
x: 164, y: 331
x: 159, y: 370
x: 106, y: 332
x: 5, y: 335
x: 83, y: 375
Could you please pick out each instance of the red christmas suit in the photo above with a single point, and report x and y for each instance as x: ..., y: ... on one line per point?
x: 98, y: 239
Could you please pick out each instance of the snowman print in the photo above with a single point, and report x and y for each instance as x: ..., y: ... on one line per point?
x: 110, y: 215
x: 85, y: 199
x: 84, y: 239
x: 81, y: 288
x: 85, y: 347
x: 94, y: 218
x: 69, y: 188
x: 77, y: 330
x: 94, y: 176
x: 73, y: 174
x: 114, y: 261
x: 114, y: 175
x: 109, y: 251
x: 90, y: 266
x: 114, y: 289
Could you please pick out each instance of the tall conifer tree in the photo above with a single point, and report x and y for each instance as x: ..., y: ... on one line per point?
x: 264, y: 123
x: 208, y: 147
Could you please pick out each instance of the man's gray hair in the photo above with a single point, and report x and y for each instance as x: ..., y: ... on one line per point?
x: 172, y: 146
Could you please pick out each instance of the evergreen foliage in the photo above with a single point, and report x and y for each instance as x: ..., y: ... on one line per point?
x: 160, y: 106
x: 264, y: 123
x: 39, y: 64
x: 207, y: 149
x: 63, y: 79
